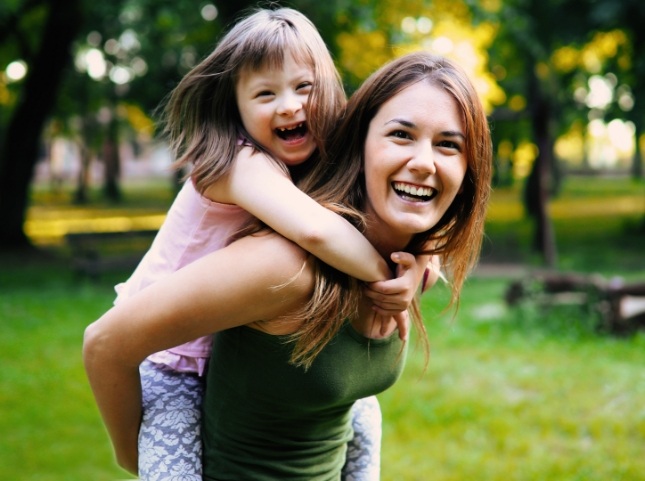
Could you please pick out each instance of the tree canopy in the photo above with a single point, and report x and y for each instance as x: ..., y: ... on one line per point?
x: 97, y: 71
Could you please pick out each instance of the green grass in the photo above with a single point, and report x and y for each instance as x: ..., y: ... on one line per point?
x: 51, y: 428
x: 516, y: 395
x: 516, y: 399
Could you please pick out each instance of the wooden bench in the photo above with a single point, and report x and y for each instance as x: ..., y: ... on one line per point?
x: 620, y: 305
x: 93, y: 253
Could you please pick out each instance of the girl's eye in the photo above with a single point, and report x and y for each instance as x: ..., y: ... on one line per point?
x: 264, y: 93
x: 304, y: 86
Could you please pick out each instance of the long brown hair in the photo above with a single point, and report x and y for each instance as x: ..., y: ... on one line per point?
x: 201, y: 119
x: 337, y: 182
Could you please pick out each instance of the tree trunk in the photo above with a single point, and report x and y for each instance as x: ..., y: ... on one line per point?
x: 538, y: 183
x: 20, y: 148
x: 83, y: 181
x: 637, y: 160
x: 112, y: 160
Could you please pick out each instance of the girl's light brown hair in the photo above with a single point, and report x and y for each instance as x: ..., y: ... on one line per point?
x: 201, y: 118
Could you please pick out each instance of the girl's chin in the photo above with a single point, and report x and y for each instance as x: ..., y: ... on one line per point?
x: 296, y: 159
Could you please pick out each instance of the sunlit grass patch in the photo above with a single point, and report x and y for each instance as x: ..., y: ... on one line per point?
x: 501, y: 402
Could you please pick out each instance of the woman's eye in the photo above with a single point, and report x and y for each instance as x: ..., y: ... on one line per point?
x: 449, y: 144
x: 400, y: 134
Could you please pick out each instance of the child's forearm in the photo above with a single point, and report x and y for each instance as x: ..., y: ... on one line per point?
x: 256, y: 185
x: 339, y: 244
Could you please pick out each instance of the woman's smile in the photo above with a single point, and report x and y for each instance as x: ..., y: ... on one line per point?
x: 413, y: 193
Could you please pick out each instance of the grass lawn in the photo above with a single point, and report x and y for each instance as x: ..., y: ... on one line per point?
x: 508, y: 398
x: 508, y: 394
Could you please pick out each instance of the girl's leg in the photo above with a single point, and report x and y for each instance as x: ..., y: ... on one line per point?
x: 364, y: 450
x: 170, y: 444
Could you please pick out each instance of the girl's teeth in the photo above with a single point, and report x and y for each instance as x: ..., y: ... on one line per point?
x: 282, y: 129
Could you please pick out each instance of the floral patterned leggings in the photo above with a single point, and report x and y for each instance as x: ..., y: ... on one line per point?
x: 170, y: 441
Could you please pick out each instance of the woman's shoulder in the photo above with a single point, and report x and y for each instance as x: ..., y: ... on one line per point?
x: 279, y: 260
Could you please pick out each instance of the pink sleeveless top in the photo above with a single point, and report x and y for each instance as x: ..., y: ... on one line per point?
x: 194, y: 226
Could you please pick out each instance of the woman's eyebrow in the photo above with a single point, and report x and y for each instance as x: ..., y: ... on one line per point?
x: 454, y: 133
x: 405, y: 123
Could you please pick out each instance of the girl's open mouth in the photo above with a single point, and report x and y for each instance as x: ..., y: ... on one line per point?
x: 292, y: 133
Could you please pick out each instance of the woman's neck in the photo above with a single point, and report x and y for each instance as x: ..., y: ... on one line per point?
x: 385, y: 242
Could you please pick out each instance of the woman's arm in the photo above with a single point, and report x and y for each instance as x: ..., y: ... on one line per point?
x: 257, y: 184
x: 231, y: 287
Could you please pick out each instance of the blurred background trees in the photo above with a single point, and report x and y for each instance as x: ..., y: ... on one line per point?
x: 561, y: 80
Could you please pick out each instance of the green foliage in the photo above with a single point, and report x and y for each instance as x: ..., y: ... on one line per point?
x: 29, y: 26
x: 598, y: 226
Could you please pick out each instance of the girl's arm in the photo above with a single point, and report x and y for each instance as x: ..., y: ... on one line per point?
x: 257, y: 184
x: 231, y: 287
x: 395, y: 295
x: 392, y: 297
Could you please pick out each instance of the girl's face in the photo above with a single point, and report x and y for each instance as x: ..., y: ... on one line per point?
x: 415, y: 163
x: 272, y: 105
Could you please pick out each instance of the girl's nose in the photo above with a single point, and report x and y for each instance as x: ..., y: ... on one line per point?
x: 422, y: 161
x: 289, y: 104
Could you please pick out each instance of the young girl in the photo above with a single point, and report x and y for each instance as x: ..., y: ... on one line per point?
x: 248, y: 119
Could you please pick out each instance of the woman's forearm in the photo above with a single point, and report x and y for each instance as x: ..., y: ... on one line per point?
x: 117, y: 389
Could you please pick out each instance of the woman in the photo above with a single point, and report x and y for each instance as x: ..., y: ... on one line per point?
x: 296, y: 344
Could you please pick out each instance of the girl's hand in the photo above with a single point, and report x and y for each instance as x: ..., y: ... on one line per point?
x: 402, y: 323
x: 392, y: 298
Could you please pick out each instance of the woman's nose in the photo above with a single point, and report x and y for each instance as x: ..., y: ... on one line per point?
x: 422, y: 162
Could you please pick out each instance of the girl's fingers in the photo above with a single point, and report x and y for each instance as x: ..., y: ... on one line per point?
x: 404, y: 260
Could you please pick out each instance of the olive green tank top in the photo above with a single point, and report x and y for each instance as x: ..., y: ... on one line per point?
x: 265, y: 419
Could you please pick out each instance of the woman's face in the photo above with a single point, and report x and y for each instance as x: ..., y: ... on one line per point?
x: 415, y: 163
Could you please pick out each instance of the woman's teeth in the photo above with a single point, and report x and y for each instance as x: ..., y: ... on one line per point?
x: 422, y: 193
